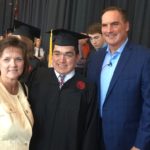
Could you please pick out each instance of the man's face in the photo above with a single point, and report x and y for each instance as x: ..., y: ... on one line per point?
x: 37, y: 42
x: 114, y: 29
x: 64, y: 59
x: 96, y: 40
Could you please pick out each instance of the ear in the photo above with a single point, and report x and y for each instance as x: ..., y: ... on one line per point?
x: 77, y: 57
x: 127, y: 26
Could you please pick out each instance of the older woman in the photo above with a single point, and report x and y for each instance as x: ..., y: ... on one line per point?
x: 16, y: 118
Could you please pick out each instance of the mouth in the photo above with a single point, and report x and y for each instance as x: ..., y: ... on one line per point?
x: 13, y: 70
x: 111, y: 35
x: 62, y: 65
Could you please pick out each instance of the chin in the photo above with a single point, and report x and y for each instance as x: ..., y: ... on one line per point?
x: 13, y: 77
x: 62, y: 72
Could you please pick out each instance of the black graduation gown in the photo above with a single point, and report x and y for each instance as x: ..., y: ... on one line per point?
x: 66, y: 118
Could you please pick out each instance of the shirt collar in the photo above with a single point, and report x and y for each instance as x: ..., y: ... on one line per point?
x: 67, y: 76
x: 120, y: 49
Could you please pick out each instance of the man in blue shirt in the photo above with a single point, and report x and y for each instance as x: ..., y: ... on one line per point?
x: 122, y: 74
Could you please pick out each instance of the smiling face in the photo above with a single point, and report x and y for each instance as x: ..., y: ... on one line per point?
x: 11, y: 63
x: 114, y: 29
x: 64, y: 59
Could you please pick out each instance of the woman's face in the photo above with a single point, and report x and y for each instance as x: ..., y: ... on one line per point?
x: 11, y: 63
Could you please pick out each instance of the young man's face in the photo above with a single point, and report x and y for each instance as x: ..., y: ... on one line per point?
x: 64, y: 59
x: 96, y: 40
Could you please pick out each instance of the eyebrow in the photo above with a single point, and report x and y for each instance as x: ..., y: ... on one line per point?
x: 114, y: 22
x: 64, y: 52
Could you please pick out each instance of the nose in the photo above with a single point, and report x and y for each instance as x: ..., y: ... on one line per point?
x: 13, y: 62
x: 93, y: 41
x: 109, y: 28
x: 62, y: 58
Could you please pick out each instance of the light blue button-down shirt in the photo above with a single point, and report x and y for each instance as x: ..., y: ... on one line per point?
x: 108, y: 68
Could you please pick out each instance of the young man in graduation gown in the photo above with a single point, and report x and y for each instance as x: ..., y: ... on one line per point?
x: 65, y: 110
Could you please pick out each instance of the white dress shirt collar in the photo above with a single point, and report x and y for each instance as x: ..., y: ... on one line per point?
x: 67, y: 76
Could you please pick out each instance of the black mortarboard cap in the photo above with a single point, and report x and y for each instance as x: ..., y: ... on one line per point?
x: 63, y: 37
x: 24, y: 29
